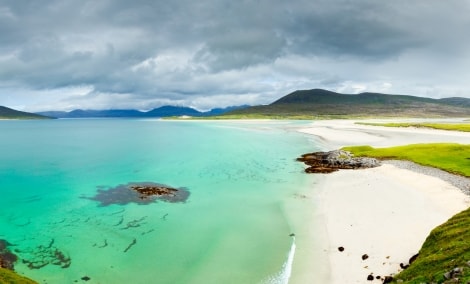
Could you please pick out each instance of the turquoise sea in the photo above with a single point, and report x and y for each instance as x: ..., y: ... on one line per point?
x: 247, y: 196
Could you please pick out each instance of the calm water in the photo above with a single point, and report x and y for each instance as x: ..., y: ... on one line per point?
x: 234, y: 227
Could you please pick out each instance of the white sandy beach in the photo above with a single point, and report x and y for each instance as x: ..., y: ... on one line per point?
x: 385, y: 212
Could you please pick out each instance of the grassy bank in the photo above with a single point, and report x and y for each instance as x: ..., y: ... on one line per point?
x: 453, y: 158
x: 445, y: 255
x: 443, y: 126
x: 446, y: 249
x: 9, y: 277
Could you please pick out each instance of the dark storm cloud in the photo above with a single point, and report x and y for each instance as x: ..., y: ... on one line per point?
x: 157, y: 51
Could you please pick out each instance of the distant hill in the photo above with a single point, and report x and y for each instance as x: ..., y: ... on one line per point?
x: 319, y: 102
x: 164, y: 111
x: 455, y: 101
x: 8, y: 113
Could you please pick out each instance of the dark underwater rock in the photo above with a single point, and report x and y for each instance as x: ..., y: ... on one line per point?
x: 7, y: 258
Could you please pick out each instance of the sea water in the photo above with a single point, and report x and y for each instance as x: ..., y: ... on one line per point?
x: 233, y: 228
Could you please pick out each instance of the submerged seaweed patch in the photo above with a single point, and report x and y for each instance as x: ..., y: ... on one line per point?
x: 44, y: 255
x: 142, y: 193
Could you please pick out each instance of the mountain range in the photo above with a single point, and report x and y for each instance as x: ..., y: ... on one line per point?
x: 164, y: 111
x: 323, y: 103
x: 302, y: 103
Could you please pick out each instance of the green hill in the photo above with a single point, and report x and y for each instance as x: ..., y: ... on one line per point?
x: 8, y: 113
x: 323, y: 103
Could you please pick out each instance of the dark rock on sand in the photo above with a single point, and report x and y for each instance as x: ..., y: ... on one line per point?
x: 388, y: 279
x: 327, y: 162
x: 413, y: 258
x: 139, y: 192
x: 404, y: 266
x: 370, y: 277
x: 341, y: 249
x: 365, y: 256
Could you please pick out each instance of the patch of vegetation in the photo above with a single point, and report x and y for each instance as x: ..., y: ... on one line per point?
x: 10, y: 277
x: 453, y: 158
x: 247, y: 116
x: 443, y: 126
x: 280, y: 116
x: 444, y: 256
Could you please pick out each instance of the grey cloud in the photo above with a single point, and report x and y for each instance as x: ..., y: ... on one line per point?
x: 215, y: 48
x: 373, y: 29
x: 241, y: 49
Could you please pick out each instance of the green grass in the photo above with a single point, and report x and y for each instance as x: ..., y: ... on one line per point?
x: 248, y: 116
x: 10, y: 277
x: 443, y: 126
x: 447, y: 246
x: 281, y: 116
x: 453, y: 158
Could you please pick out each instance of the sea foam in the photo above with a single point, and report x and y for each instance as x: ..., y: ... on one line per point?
x: 283, y: 276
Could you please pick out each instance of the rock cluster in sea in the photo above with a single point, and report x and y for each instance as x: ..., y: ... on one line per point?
x: 327, y: 162
x: 7, y: 258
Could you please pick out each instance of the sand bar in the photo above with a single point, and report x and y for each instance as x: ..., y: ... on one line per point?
x: 385, y: 212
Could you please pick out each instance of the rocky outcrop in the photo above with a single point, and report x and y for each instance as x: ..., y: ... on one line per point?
x: 327, y: 162
x: 153, y: 190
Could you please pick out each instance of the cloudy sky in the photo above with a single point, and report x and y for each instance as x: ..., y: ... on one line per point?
x: 102, y: 54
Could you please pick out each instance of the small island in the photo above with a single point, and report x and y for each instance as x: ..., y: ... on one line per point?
x: 147, y: 191
x: 142, y: 193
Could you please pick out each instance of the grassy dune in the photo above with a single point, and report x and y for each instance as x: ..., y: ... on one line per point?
x: 447, y: 248
x: 443, y: 126
x: 453, y: 158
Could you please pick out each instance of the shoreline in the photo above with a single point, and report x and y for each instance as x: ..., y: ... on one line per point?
x: 386, y: 212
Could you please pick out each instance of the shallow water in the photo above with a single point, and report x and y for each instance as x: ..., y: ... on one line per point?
x: 232, y: 229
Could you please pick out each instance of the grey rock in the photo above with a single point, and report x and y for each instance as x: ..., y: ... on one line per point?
x: 447, y: 275
x: 326, y: 162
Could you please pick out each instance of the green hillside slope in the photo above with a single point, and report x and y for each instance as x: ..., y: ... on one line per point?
x: 323, y: 103
x: 8, y: 113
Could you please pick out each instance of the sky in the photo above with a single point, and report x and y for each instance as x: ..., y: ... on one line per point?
x: 142, y: 54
